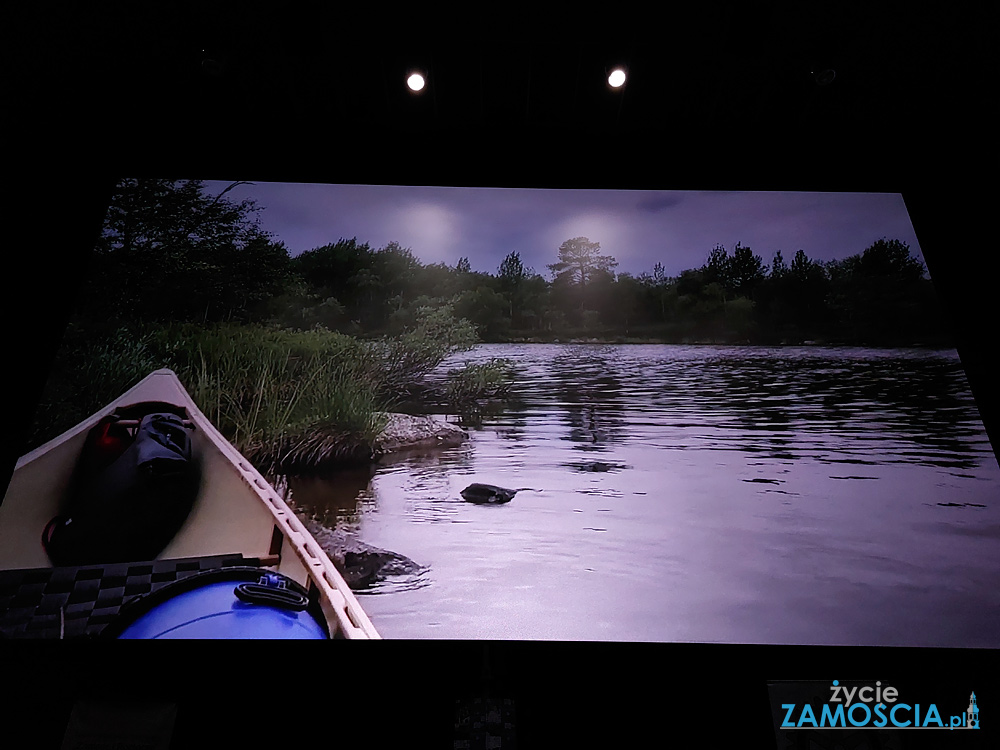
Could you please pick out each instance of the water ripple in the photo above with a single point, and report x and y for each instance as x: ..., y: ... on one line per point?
x: 794, y: 494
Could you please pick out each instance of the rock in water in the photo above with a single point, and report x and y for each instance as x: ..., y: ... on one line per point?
x: 360, y: 564
x: 405, y: 431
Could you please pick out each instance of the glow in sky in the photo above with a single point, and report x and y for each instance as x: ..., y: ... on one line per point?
x: 638, y: 227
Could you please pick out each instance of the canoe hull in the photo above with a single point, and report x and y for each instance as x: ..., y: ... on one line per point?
x: 236, y: 510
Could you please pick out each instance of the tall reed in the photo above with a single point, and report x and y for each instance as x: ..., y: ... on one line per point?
x: 289, y: 401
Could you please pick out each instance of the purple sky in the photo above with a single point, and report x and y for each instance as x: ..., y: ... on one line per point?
x: 638, y: 228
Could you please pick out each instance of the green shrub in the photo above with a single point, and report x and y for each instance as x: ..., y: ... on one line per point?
x: 404, y: 360
x: 476, y: 382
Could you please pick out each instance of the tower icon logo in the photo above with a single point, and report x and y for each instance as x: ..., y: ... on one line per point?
x: 972, y: 714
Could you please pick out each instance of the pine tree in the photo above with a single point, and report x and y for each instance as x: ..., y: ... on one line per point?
x: 581, y: 262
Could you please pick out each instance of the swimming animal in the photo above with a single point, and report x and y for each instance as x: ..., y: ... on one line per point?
x: 483, y: 494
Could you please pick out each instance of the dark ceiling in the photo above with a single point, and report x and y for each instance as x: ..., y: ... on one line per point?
x: 726, y: 84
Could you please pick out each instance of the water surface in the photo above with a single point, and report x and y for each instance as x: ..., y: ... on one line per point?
x: 693, y: 493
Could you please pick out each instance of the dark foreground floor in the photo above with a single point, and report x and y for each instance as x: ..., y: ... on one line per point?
x: 406, y: 694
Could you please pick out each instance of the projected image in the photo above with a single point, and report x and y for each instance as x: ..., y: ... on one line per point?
x: 604, y: 415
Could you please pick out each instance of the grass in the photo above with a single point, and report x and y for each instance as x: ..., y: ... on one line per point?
x: 481, y: 381
x: 290, y: 401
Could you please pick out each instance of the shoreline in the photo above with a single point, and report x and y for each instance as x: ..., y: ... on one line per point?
x: 746, y: 344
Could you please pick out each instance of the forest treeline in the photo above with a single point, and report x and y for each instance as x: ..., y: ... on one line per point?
x: 170, y: 251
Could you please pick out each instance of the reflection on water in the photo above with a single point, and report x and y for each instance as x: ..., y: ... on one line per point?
x: 788, y: 495
x: 337, y: 500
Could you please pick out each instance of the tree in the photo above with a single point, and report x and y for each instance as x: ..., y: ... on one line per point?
x: 512, y: 275
x: 512, y: 270
x: 778, y: 267
x: 890, y: 258
x: 718, y: 268
x: 153, y: 214
x: 397, y: 267
x: 438, y: 280
x: 657, y: 291
x: 581, y: 262
x: 369, y: 302
x: 169, y: 251
x: 772, y: 301
x: 330, y: 267
x: 535, y: 301
x: 794, y: 299
x: 738, y: 274
x: 746, y: 271
x: 802, y: 268
x: 484, y: 308
x: 582, y: 278
x: 627, y: 297
x: 880, y: 296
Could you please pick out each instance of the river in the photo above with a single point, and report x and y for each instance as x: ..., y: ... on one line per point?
x: 812, y: 495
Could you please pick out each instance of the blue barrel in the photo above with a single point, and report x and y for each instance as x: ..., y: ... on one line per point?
x: 273, y: 607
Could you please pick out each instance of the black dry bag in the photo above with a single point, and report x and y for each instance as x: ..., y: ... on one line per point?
x: 128, y: 508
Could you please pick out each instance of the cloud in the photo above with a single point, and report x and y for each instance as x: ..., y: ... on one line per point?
x: 656, y: 203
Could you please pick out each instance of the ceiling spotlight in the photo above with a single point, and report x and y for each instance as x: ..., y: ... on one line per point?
x: 617, y: 78
x: 415, y: 82
x: 212, y: 64
x: 824, y: 76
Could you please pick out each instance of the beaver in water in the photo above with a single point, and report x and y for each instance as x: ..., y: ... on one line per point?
x: 484, y: 494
